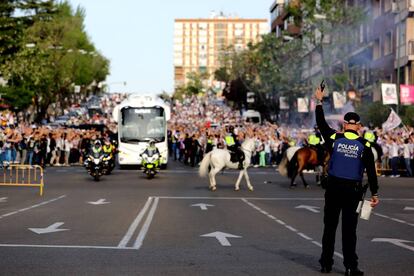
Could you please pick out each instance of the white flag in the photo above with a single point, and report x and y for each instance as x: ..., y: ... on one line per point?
x: 392, y: 122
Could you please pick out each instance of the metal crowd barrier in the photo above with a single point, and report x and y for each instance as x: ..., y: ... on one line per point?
x: 23, y: 176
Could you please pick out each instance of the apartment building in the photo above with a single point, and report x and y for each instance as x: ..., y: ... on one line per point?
x: 198, y: 43
x: 379, y: 48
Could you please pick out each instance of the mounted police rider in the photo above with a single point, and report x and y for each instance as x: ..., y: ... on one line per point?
x: 371, y: 137
x: 315, y: 141
x: 233, y: 145
x: 351, y: 155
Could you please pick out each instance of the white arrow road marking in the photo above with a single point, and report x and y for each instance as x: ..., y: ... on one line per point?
x: 99, y: 202
x: 397, y: 242
x: 3, y: 199
x: 50, y: 229
x: 405, y: 209
x: 313, y: 209
x: 203, y: 206
x: 221, y: 237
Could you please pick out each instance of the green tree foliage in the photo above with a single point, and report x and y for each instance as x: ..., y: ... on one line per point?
x: 15, y: 17
x: 270, y: 66
x: 408, y: 115
x: 330, y: 27
x: 276, y: 66
x: 56, y: 55
x: 374, y: 113
x: 195, y: 85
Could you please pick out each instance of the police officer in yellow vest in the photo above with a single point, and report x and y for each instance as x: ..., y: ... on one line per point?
x: 351, y: 155
x: 372, y: 139
x: 108, y: 148
x: 314, y: 140
x: 210, y: 143
x: 233, y: 146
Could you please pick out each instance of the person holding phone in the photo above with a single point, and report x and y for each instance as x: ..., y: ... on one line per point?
x: 351, y: 155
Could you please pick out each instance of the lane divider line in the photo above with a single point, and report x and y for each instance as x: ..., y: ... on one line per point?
x: 31, y: 207
x: 128, y: 235
x: 66, y: 246
x: 294, y: 230
x: 267, y: 198
x: 393, y: 219
x: 145, y: 227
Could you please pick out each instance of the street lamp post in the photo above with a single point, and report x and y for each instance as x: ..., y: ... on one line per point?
x: 398, y: 33
x: 398, y: 70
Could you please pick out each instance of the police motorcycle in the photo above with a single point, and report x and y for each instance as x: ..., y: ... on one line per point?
x: 150, y: 160
x: 94, y: 162
x: 109, y: 160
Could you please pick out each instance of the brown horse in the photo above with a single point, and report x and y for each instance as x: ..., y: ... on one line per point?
x: 303, y: 158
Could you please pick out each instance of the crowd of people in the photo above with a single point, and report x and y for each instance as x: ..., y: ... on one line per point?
x: 197, y: 125
x: 63, y: 144
x: 201, y: 124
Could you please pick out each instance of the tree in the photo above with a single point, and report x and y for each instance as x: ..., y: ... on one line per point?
x: 194, y: 86
x: 330, y: 28
x: 374, y: 113
x: 270, y: 66
x: 60, y: 55
x: 12, y: 27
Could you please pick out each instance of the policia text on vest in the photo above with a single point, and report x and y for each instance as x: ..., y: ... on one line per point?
x: 351, y: 155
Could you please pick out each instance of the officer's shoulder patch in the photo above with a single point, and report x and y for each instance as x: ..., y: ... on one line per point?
x: 368, y: 144
x: 333, y: 136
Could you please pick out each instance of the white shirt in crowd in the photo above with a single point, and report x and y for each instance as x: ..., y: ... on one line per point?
x: 394, y: 150
x: 408, y: 150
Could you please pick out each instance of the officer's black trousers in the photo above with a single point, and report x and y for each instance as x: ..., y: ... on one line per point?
x: 340, y: 195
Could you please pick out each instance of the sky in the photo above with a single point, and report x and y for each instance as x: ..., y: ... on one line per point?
x: 137, y: 36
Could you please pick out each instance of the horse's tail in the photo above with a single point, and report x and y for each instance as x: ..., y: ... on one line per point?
x: 205, y: 164
x: 282, y: 168
x: 293, y: 165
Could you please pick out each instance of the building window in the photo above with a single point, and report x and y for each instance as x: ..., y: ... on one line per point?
x: 376, y: 7
x: 361, y: 34
x: 377, y: 49
x: 387, y: 6
x: 388, y: 43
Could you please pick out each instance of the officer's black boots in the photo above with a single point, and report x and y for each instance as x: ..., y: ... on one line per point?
x: 326, y: 269
x: 354, y: 272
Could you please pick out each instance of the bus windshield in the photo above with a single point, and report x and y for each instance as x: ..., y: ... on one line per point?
x: 142, y: 124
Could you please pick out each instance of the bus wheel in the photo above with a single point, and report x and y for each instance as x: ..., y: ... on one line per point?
x: 163, y: 166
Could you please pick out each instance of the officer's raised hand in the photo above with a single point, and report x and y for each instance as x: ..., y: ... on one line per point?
x: 319, y: 94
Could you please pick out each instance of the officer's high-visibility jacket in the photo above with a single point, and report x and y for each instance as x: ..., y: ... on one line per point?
x: 108, y: 149
x: 313, y: 139
x: 370, y: 136
x: 96, y: 150
x: 230, y: 140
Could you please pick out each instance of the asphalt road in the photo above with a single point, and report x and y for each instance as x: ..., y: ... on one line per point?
x: 173, y: 225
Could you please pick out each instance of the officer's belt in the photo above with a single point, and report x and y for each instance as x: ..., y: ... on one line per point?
x: 343, y: 182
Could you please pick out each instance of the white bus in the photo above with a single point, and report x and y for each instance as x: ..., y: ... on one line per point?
x: 141, y: 119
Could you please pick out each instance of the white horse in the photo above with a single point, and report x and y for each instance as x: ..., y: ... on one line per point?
x: 219, y: 159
